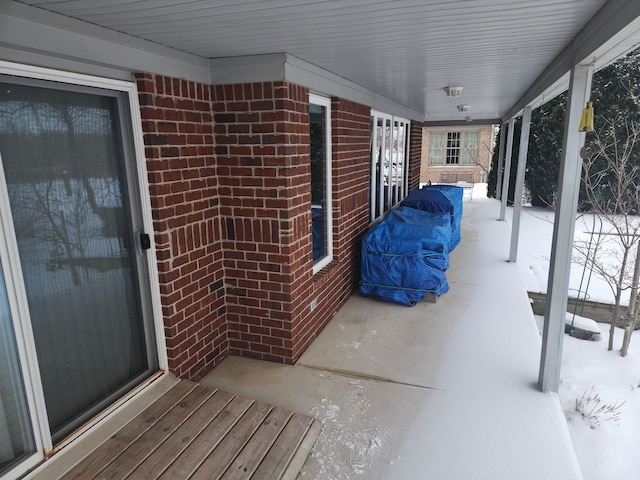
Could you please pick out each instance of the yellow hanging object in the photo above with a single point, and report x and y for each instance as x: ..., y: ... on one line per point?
x: 586, y: 123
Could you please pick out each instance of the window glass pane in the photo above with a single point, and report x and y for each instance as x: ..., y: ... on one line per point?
x: 375, y: 167
x: 63, y: 160
x: 436, y: 148
x: 16, y: 435
x: 393, y: 165
x: 400, y: 160
x: 470, y: 148
x: 389, y: 137
x: 379, y: 166
x: 453, y: 148
x: 319, y: 204
x: 387, y: 164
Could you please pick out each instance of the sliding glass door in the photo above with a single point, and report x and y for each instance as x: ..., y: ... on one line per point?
x: 69, y: 188
x: 17, y: 440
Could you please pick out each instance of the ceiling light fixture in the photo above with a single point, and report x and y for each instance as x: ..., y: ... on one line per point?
x: 453, y: 92
x: 464, y: 108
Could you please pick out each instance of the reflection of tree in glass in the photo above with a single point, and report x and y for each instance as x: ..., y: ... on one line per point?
x: 53, y: 155
x: 63, y: 212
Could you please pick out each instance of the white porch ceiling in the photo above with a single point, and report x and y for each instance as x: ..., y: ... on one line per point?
x: 405, y: 50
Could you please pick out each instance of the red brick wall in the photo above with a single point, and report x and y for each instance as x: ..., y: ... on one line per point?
x: 262, y: 143
x: 331, y: 287
x: 262, y: 147
x: 178, y: 137
x: 229, y: 174
x: 415, y: 154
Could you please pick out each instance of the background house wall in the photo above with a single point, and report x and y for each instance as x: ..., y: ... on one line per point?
x: 452, y: 173
x: 229, y: 173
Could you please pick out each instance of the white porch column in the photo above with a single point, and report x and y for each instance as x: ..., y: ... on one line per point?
x: 519, y: 187
x: 563, y: 228
x: 503, y: 139
x: 507, y: 171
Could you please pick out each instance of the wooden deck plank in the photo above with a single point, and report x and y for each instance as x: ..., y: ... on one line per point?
x: 302, y: 452
x: 195, y: 432
x: 128, y: 460
x: 284, y: 448
x: 215, y: 416
x: 102, y: 456
x: 211, y: 442
x: 249, y: 459
x: 227, y: 450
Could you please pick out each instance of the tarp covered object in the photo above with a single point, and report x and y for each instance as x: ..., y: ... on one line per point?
x: 397, y: 264
x: 433, y: 228
x: 439, y: 199
x: 456, y: 196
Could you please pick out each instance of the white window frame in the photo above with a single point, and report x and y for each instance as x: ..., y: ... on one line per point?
x: 453, y: 151
x: 397, y: 177
x: 463, y: 153
x: 13, y: 272
x: 328, y: 207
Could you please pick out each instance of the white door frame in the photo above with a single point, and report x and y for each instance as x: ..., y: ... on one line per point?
x: 13, y: 273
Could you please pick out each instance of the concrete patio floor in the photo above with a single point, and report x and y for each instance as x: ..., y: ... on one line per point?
x: 443, y: 391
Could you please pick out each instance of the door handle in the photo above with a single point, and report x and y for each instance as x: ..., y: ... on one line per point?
x: 145, y: 241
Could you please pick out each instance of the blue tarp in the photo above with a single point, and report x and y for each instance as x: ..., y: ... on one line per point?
x: 433, y: 228
x: 456, y: 197
x: 399, y: 263
x: 439, y: 199
x: 428, y: 200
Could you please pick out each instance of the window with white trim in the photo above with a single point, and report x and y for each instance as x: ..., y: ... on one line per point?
x: 454, y: 148
x: 320, y: 153
x: 389, y: 162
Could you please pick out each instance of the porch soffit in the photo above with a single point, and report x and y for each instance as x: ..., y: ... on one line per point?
x: 503, y: 52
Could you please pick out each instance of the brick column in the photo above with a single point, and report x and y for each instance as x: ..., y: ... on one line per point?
x: 178, y: 137
x: 262, y: 147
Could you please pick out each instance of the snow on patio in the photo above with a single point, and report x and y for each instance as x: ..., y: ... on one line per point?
x: 447, y: 390
x: 606, y: 386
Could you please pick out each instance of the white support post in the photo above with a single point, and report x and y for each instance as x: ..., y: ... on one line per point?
x: 519, y: 188
x: 503, y: 139
x: 507, y: 171
x: 563, y: 229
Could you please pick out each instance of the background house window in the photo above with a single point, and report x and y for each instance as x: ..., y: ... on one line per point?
x: 320, y: 153
x: 454, y: 148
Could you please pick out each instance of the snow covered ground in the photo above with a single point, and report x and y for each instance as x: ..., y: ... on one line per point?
x: 600, y: 391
